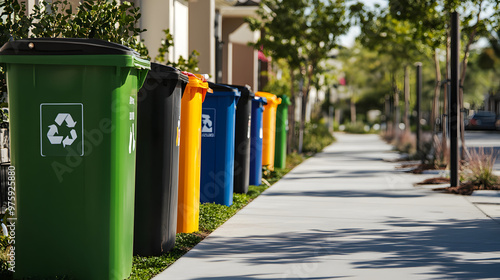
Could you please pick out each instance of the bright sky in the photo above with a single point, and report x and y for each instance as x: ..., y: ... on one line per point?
x: 348, y: 39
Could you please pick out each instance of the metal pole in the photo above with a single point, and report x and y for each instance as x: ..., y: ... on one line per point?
x: 387, y: 112
x: 454, y: 109
x: 419, y: 111
x: 330, y: 119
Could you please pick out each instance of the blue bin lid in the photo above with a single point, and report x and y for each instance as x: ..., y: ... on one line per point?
x: 259, y: 99
x: 223, y: 90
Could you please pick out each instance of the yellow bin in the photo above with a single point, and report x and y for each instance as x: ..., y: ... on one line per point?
x: 188, y: 206
x: 269, y: 128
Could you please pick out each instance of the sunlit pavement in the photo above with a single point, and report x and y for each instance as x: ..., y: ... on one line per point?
x: 347, y: 214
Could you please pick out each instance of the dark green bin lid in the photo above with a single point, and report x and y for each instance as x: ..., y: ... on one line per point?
x: 64, y: 46
x: 77, y: 51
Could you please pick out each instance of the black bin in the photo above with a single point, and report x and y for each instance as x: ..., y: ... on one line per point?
x: 157, y: 171
x: 242, y: 139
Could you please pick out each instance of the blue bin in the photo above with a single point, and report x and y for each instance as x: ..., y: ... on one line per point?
x: 256, y: 134
x: 217, y: 145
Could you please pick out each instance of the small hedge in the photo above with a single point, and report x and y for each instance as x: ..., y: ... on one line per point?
x: 316, y: 137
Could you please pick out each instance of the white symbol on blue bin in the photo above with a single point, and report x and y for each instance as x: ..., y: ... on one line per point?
x: 206, y: 124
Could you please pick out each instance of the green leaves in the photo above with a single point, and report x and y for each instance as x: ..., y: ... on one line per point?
x: 300, y: 31
x: 316, y: 137
x: 100, y: 19
x: 190, y: 64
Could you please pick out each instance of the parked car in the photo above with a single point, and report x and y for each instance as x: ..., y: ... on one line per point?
x: 482, y: 120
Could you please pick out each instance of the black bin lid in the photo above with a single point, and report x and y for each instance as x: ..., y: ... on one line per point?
x: 220, y: 89
x: 64, y: 46
x: 246, y: 91
x: 160, y: 71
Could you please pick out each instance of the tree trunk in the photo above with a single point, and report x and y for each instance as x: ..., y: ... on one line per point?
x: 291, y: 116
x: 302, y: 121
x: 337, y: 113
x: 387, y: 110
x: 353, y: 110
x: 462, y: 79
x: 396, y: 113
x: 305, y: 97
x: 407, y: 101
x: 437, y: 87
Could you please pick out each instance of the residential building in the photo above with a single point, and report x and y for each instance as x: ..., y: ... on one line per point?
x: 215, y: 28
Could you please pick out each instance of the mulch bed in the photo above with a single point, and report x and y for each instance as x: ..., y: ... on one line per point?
x: 466, y: 188
x: 435, y: 181
x: 418, y: 168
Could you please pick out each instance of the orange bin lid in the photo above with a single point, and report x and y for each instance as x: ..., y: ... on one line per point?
x: 197, y: 80
x: 271, y: 98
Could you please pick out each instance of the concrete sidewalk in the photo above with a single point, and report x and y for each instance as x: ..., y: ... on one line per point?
x: 347, y: 214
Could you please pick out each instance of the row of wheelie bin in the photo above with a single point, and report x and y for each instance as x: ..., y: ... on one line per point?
x: 112, y: 154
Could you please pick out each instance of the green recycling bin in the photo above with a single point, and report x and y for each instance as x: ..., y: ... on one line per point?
x: 281, y: 132
x: 73, y: 122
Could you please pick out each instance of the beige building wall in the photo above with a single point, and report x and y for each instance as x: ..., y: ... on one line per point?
x: 243, y: 69
x: 240, y: 61
x: 156, y: 16
x: 180, y: 29
x: 229, y: 25
x: 201, y: 34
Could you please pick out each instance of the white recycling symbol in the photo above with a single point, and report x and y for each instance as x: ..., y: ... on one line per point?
x: 56, y: 139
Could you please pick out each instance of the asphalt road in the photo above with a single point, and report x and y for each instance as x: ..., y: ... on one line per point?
x: 489, y: 140
x: 475, y: 138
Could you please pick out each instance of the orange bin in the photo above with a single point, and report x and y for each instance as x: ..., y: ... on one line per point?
x: 269, y: 128
x: 188, y: 206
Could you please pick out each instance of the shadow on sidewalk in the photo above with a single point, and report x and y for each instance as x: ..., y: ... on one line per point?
x: 403, y: 193
x: 457, y: 249
x: 351, y: 156
x: 297, y: 175
x: 259, y: 276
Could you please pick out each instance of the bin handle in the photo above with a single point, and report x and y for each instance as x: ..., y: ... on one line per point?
x: 141, y: 77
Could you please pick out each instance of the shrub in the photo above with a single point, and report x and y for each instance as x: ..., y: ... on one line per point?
x: 406, y: 143
x: 316, y: 137
x: 478, y: 169
x: 4, y: 249
x: 99, y: 19
x: 190, y: 64
x: 357, y: 127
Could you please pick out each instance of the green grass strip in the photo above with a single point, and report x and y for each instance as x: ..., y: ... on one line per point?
x: 212, y: 216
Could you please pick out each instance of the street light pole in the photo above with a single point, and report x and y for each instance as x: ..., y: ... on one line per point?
x: 419, y: 112
x: 454, y: 109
